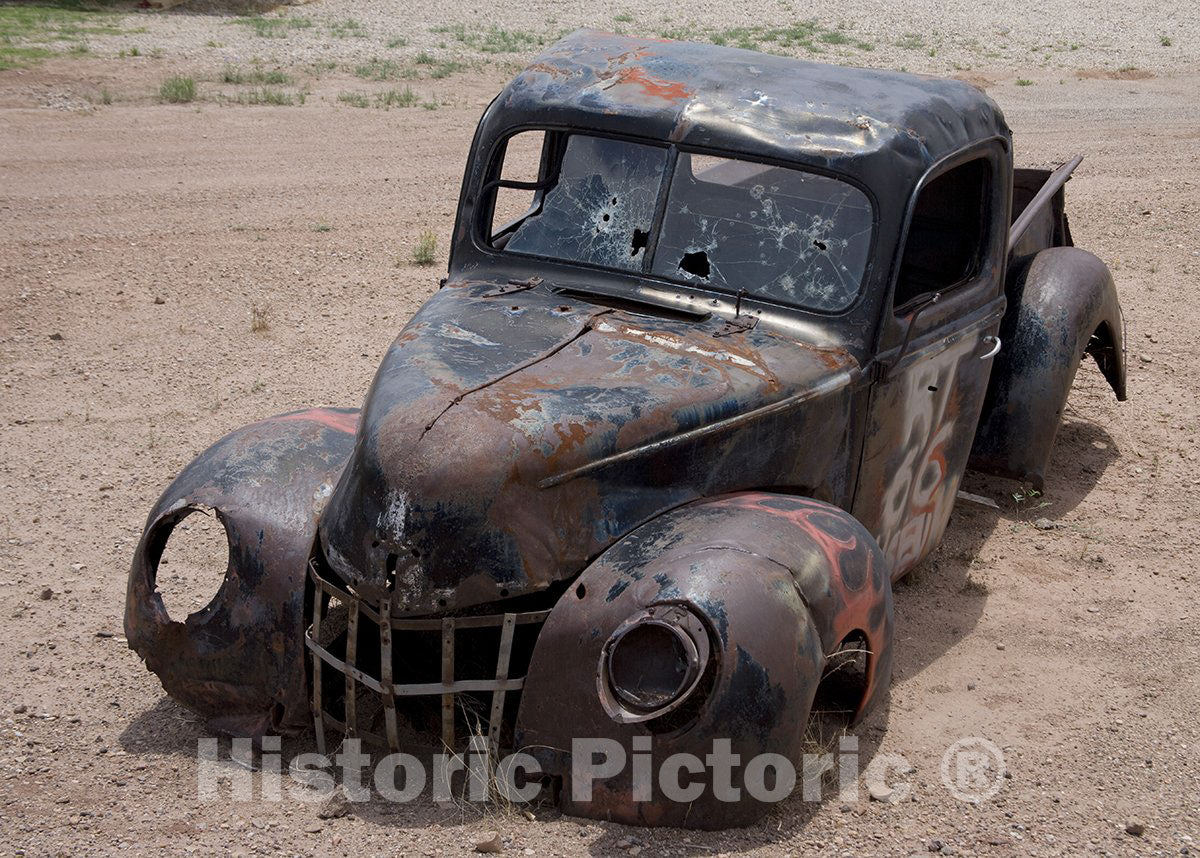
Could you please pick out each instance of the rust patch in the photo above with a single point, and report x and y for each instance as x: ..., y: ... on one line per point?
x: 654, y: 87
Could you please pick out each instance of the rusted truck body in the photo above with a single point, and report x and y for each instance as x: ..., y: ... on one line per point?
x: 676, y: 420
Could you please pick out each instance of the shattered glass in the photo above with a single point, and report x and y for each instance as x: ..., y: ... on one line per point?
x: 781, y: 234
x: 601, y: 209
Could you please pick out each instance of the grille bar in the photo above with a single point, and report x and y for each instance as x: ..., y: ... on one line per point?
x: 385, y: 677
x: 506, y: 639
x: 448, y: 682
x: 320, y: 606
x: 351, y: 655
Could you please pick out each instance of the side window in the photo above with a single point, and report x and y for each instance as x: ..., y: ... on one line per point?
x: 522, y: 162
x: 948, y: 235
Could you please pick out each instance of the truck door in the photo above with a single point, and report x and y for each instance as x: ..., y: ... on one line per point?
x: 936, y: 344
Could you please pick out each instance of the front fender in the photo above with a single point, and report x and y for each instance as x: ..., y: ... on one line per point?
x: 777, y: 582
x: 1062, y: 304
x: 239, y: 661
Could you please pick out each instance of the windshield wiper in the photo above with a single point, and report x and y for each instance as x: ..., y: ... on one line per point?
x: 513, y: 286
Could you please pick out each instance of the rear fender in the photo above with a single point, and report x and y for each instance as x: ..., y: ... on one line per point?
x: 777, y: 583
x: 239, y: 661
x: 1062, y: 305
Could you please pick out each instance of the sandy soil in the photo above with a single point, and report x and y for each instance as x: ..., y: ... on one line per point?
x: 138, y: 239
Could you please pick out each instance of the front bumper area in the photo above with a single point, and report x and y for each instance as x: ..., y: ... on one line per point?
x: 427, y: 680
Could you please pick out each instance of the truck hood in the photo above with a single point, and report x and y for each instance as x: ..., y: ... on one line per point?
x: 508, y: 438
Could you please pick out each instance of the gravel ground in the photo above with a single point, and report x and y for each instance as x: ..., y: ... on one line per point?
x: 1054, y: 37
x: 138, y: 239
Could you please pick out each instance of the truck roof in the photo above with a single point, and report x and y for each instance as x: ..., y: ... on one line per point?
x: 885, y: 128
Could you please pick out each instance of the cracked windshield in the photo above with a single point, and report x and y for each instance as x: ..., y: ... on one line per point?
x: 782, y: 234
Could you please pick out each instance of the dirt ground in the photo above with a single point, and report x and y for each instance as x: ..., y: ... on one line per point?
x: 138, y: 243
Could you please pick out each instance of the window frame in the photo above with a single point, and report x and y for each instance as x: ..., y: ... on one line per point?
x: 990, y: 151
x: 491, y: 180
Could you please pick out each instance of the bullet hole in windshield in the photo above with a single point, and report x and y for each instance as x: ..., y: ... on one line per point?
x: 695, y: 263
x: 641, y: 238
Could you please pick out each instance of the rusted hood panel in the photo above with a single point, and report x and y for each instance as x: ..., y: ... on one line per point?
x: 508, y: 439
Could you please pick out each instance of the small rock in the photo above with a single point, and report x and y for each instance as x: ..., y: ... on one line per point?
x: 334, y: 807
x: 1000, y: 647
x: 1146, y: 358
x: 935, y: 845
x: 489, y: 842
x: 528, y: 814
x: 158, y: 300
x: 1092, y: 609
x: 1136, y: 829
x: 46, y: 595
x: 57, y: 337
x: 635, y: 851
x: 20, y: 709
x: 623, y: 843
x: 314, y: 828
x: 881, y: 793
x: 104, y: 634
x: 1046, y: 524
x: 970, y: 686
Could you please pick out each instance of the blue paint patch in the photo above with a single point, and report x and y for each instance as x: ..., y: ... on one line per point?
x: 616, y: 590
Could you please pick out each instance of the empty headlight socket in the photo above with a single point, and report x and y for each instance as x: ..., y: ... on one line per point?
x: 652, y: 663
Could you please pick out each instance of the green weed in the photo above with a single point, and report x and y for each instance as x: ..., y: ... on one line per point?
x: 177, y: 90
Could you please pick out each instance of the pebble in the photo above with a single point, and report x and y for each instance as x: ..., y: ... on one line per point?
x: 881, y: 793
x: 1136, y: 829
x: 334, y: 807
x: 46, y: 595
x: 489, y: 842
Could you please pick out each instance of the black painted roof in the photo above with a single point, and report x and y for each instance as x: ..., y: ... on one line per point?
x: 883, y: 127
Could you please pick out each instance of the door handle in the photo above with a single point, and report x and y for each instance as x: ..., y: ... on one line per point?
x: 995, y: 349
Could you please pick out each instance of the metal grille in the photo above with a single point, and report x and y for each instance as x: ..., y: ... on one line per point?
x: 446, y: 689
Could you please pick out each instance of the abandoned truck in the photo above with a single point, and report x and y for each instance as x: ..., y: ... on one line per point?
x: 721, y: 332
